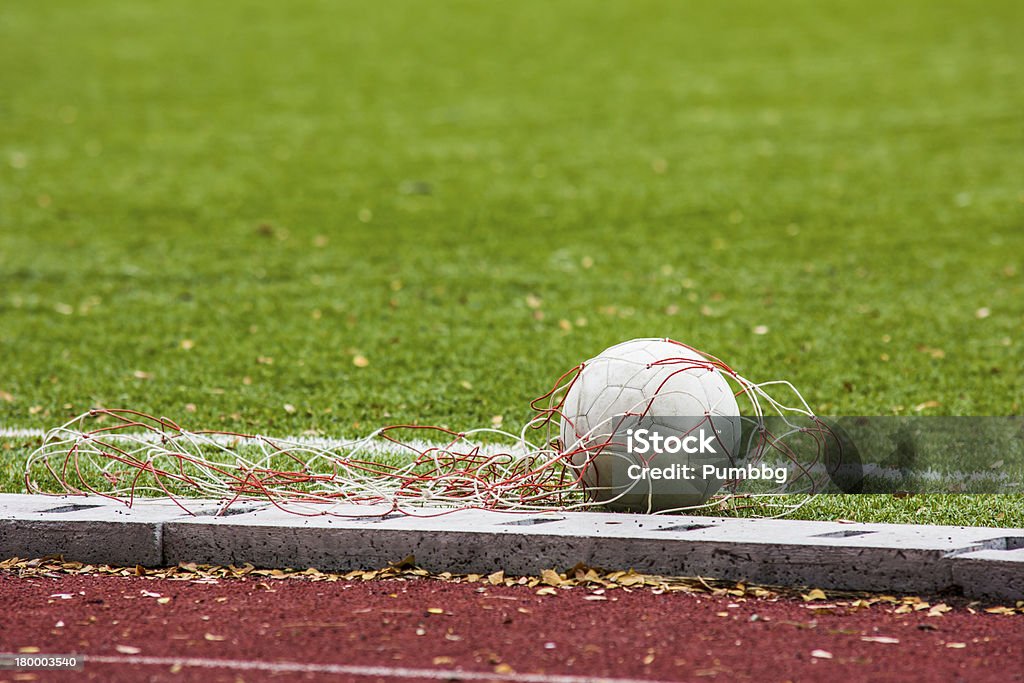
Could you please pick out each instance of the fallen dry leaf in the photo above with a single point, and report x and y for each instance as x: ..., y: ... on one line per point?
x: 814, y: 594
x: 551, y: 577
x: 1000, y: 610
x: 821, y: 654
x: 127, y: 649
x: 631, y: 578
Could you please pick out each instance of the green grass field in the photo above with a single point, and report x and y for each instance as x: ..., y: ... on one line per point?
x: 218, y: 213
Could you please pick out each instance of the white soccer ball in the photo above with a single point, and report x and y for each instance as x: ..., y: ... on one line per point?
x: 659, y: 384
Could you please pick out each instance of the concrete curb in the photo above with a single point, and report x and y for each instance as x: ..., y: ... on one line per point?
x: 977, y: 561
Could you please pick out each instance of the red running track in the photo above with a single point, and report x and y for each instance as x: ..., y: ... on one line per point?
x: 252, y: 630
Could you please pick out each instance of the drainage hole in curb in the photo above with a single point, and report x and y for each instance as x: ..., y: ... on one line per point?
x: 69, y: 508
x: 845, y: 533
x: 1004, y: 543
x: 531, y: 522
x: 233, y: 510
x: 376, y: 520
x: 687, y: 527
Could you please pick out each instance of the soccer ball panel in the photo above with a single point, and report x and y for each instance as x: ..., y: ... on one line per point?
x: 659, y: 379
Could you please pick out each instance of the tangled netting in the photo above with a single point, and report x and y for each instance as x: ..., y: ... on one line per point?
x: 409, y: 469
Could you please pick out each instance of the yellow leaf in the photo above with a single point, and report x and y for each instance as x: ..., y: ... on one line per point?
x: 551, y: 577
x: 435, y: 610
x: 127, y: 649
x: 496, y: 579
x: 546, y: 590
x: 814, y: 594
x: 504, y: 669
x: 630, y: 579
x: 956, y: 646
x: 212, y: 637
x: 1000, y: 610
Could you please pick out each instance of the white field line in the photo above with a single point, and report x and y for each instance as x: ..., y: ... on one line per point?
x: 351, y: 670
x: 15, y: 433
x: 375, y: 446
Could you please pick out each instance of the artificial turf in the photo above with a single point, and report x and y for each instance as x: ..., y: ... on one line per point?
x: 334, y: 215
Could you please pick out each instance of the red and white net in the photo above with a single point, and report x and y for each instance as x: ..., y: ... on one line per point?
x: 416, y: 470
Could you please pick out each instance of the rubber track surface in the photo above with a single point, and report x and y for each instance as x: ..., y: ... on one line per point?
x: 298, y: 630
